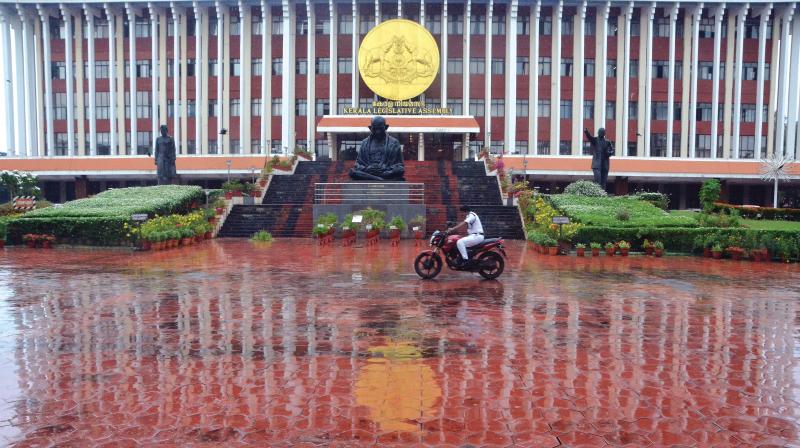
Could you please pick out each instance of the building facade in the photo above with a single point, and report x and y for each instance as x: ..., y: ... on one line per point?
x: 685, y: 91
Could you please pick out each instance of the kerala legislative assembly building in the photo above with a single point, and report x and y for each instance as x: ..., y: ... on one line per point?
x: 686, y: 91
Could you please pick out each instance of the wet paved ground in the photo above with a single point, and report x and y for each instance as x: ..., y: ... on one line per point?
x: 290, y: 344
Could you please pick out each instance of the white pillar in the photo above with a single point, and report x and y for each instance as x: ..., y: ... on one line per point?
x: 533, y: 80
x: 355, y: 42
x: 577, y: 79
x: 673, y: 18
x: 112, y: 81
x: 176, y: 77
x: 555, y: 84
x: 220, y: 56
x: 792, y: 140
x: 200, y: 65
x: 5, y: 23
x: 311, y: 77
x: 28, y: 85
x: 134, y: 149
x: 601, y: 60
x: 693, y: 94
x: 511, y: 77
x: 288, y: 126
x: 648, y: 93
x: 333, y: 46
x: 154, y: 70
x: 18, y: 113
x: 245, y: 22
x: 89, y: 12
x: 266, y: 97
x: 69, y: 40
x: 39, y: 76
x: 727, y: 111
x: 443, y: 57
x: 467, y: 36
x: 626, y: 81
x: 783, y: 76
x: 762, y: 48
x: 718, y: 17
x: 737, y: 95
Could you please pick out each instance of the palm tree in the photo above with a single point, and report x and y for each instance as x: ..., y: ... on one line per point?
x: 775, y: 169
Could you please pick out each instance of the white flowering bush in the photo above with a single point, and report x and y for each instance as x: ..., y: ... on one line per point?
x: 585, y: 188
x: 19, y: 183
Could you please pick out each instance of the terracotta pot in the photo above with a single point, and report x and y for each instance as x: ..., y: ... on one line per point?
x: 145, y: 245
x: 47, y: 244
x: 373, y: 233
x: 186, y: 241
x: 610, y: 252
x: 659, y: 252
x: 716, y: 254
x: 348, y: 233
x: 707, y: 252
x: 648, y: 250
x: 394, y: 234
x: 552, y: 250
x: 238, y: 194
x: 736, y: 254
x: 262, y: 182
x: 418, y: 235
x: 198, y: 238
x: 623, y: 252
x: 228, y: 195
x: 219, y: 210
x: 208, y: 235
x: 156, y: 245
x: 255, y: 193
x: 30, y: 243
x: 596, y: 252
x: 174, y: 243
x: 580, y: 251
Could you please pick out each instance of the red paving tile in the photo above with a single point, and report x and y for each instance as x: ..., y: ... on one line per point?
x: 292, y: 344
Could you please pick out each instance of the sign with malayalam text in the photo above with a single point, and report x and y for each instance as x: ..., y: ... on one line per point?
x: 560, y: 220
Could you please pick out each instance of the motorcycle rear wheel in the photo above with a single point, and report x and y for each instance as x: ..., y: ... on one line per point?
x: 428, y: 265
x: 491, y: 265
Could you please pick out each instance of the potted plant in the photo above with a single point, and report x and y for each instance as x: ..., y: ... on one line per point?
x: 48, y: 241
x: 658, y: 247
x: 595, y: 249
x: 716, y: 251
x: 580, y: 249
x: 232, y: 188
x: 624, y: 247
x: 374, y: 222
x: 396, y: 227
x: 303, y: 153
x: 648, y: 247
x: 326, y: 225
x: 187, y: 236
x: 552, y: 245
x: 735, y: 252
x: 417, y: 226
x: 349, y: 228
x: 610, y: 249
x: 208, y: 231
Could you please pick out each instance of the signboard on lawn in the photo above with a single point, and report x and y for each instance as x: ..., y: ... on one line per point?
x: 24, y: 202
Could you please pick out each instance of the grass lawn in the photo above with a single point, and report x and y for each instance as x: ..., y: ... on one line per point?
x: 603, y: 211
x: 755, y: 224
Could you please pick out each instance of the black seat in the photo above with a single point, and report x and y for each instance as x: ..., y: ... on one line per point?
x: 485, y: 242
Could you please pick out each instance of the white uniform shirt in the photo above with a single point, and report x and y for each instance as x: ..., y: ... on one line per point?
x: 473, y: 224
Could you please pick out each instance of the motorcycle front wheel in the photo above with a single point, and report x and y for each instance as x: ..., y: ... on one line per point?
x: 428, y: 265
x: 491, y: 265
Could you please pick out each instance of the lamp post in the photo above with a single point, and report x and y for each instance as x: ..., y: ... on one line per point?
x: 228, y: 162
x: 222, y: 133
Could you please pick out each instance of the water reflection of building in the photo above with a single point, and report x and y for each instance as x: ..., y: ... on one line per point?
x: 250, y: 353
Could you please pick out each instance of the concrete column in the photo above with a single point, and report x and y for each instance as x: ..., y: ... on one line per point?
x: 467, y: 36
x: 288, y: 126
x: 601, y: 60
x: 443, y: 56
x: 200, y: 64
x: 40, y: 72
x: 487, y: 119
x: 718, y: 17
x: 266, y: 86
x: 673, y: 18
x: 134, y: 149
x: 92, y: 94
x: 687, y: 52
x: 112, y: 82
x: 245, y: 24
x: 80, y: 109
x: 5, y: 23
x: 29, y: 81
x: 119, y: 82
x: 555, y: 84
x: 626, y: 83
x: 421, y: 147
x: 311, y: 54
x: 180, y: 146
x: 177, y: 99
x: 154, y: 72
x: 511, y: 77
x: 773, y: 86
x: 533, y: 80
x: 220, y: 68
x: 163, y: 72
x: 693, y: 95
x: 727, y: 111
x: 792, y: 142
x: 762, y: 48
x: 577, y: 79
x: 620, y: 81
x: 334, y: 55
x: 783, y: 77
x: 648, y: 78
x: 68, y: 51
x: 737, y: 96
x: 356, y: 41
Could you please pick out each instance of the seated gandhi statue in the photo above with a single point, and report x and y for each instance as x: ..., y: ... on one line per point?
x: 379, y: 156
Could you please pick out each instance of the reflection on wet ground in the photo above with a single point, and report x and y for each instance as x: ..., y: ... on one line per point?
x: 293, y: 344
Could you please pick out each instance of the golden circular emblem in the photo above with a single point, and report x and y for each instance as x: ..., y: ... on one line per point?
x: 398, y: 59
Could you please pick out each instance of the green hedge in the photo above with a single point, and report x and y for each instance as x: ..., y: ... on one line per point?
x: 99, y: 220
x: 602, y: 211
x: 675, y: 239
x: 780, y: 214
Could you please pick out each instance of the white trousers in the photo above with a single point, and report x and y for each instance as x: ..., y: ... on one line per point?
x: 468, y: 241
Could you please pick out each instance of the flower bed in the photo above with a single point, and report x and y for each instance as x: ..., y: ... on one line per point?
x: 606, y: 212
x: 100, y: 220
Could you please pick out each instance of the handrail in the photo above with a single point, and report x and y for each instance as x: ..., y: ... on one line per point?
x: 369, y: 192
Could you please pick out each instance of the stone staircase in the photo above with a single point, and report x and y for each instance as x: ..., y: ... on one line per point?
x: 287, y: 207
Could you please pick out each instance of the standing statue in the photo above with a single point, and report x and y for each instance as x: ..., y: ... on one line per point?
x: 165, y: 158
x: 602, y: 150
x: 379, y: 156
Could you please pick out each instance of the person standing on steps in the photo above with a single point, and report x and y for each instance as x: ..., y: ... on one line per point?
x: 602, y: 150
x: 474, y: 234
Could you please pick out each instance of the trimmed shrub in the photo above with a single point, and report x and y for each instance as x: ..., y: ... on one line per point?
x: 709, y: 194
x: 780, y: 214
x: 594, y: 211
x: 585, y: 188
x: 660, y: 200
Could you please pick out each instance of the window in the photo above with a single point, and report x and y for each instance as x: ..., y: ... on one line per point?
x: 751, y: 29
x: 301, y: 26
x: 749, y: 71
x: 565, y: 147
x: 706, y: 29
x: 566, y: 109
x: 703, y: 112
x: 476, y: 108
x: 61, y: 144
x: 344, y: 66
x: 611, y: 110
x: 661, y: 69
x: 546, y: 28
x: 100, y: 28
x: 58, y: 70
x: 523, y: 25
x: 323, y: 25
x: 301, y: 66
x: 190, y: 67
x: 703, y: 146
x: 213, y: 66
x: 235, y: 107
x: 588, y: 109
x: 658, y: 111
x: 301, y: 108
x: 477, y: 24
x: 143, y: 140
x: 235, y: 29
x: 545, y: 66
x: 455, y: 66
x: 658, y: 145
x: 455, y: 24
x: 236, y: 147
x: 257, y: 26
x: 322, y: 107
x: 566, y: 25
x: 142, y: 104
x: 258, y: 67
x: 612, y: 26
x: 212, y: 147
x: 566, y: 67
x: 588, y: 68
x: 433, y: 22
x: 341, y: 103
x: 277, y: 66
x: 543, y: 147
x: 589, y: 26
x: 101, y: 70
x: 142, y: 27
x: 523, y: 65
x: 277, y: 25
x: 634, y: 71
x: 705, y: 70
x: 749, y: 113
x: 236, y: 67
x: 345, y: 24
x: 747, y: 146
x: 498, y: 66
x: 103, y: 143
x: 276, y: 107
x: 611, y: 68
x: 102, y: 105
x: 662, y: 30
x: 766, y: 72
x: 255, y: 146
x: 213, y: 26
x: 522, y: 108
x: 255, y: 107
x: 323, y: 66
x: 170, y: 108
x: 457, y: 108
x: 635, y: 27
x: 543, y: 108
x: 633, y: 110
x: 498, y: 107
x: 676, y: 145
x: 520, y: 147
x: 60, y: 106
x: 213, y: 110
x: 477, y: 66
x: 498, y: 25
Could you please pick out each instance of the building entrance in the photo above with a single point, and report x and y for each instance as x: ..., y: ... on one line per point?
x: 435, y: 146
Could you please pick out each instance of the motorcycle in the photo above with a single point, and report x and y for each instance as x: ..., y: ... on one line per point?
x: 486, y: 257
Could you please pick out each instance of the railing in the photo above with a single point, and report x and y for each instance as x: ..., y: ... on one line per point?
x: 369, y: 193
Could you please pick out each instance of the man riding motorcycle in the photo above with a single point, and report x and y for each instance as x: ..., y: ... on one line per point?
x: 474, y: 234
